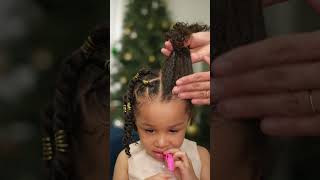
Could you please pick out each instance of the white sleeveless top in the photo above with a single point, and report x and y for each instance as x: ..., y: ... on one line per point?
x: 141, y: 165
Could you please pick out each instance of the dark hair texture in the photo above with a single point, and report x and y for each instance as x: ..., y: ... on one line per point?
x: 149, y: 83
x: 62, y: 113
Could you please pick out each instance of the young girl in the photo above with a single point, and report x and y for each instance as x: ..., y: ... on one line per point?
x: 161, y: 120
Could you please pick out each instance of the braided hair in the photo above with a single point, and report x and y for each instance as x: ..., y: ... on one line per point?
x: 61, y: 117
x: 150, y: 84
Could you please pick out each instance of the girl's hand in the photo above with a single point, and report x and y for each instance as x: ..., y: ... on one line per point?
x: 160, y: 176
x: 183, y: 166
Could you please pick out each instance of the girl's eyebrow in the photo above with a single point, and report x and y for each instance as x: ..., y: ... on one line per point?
x: 178, y: 124
x: 145, y: 124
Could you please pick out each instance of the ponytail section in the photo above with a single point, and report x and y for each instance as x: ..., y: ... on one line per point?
x: 179, y: 63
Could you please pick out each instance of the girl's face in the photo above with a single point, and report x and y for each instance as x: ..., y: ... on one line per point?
x: 161, y: 125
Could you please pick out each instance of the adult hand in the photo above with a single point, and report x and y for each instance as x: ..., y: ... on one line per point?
x: 195, y: 86
x: 276, y: 80
x: 199, y: 44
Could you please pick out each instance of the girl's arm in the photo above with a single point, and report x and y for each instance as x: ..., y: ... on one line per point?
x: 205, y: 163
x: 121, y: 167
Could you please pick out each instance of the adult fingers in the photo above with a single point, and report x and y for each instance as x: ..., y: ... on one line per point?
x: 199, y: 39
x: 167, y: 49
x: 198, y: 58
x: 198, y: 54
x: 195, y: 86
x: 284, y: 78
x: 205, y: 101
x: 195, y: 95
x: 207, y: 59
x: 288, y: 104
x: 168, y: 45
x: 291, y: 126
x: 287, y: 49
x: 195, y: 77
x: 166, y: 52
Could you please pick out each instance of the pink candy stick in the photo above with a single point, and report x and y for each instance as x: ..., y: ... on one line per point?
x: 170, y: 161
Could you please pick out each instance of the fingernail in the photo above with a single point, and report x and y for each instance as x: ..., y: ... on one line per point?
x: 175, y: 90
x: 178, y: 82
x: 195, y: 57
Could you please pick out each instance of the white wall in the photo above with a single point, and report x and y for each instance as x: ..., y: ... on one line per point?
x: 190, y: 11
x: 116, y: 18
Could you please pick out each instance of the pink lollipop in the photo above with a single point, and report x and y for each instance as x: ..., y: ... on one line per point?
x: 170, y: 162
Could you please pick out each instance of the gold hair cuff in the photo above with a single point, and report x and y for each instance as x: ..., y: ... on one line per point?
x: 47, y: 149
x: 88, y: 46
x: 136, y: 76
x: 145, y: 82
x: 125, y: 108
x: 128, y: 106
x: 60, y: 141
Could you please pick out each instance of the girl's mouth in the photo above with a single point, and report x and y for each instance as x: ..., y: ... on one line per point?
x: 159, y: 155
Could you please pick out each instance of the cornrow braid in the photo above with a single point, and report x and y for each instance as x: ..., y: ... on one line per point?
x: 129, y: 103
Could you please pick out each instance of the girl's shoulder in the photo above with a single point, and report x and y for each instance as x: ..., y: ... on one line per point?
x: 205, y: 162
x: 122, y: 157
x: 121, y: 166
x: 203, y: 152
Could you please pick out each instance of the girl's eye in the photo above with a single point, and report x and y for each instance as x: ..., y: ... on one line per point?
x: 173, y: 131
x: 149, y: 130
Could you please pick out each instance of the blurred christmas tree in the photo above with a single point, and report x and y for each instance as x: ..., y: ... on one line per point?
x: 145, y: 24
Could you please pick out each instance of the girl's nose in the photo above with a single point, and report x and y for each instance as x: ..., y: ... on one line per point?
x: 161, y: 141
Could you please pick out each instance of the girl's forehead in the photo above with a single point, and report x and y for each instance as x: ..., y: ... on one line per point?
x: 170, y: 112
